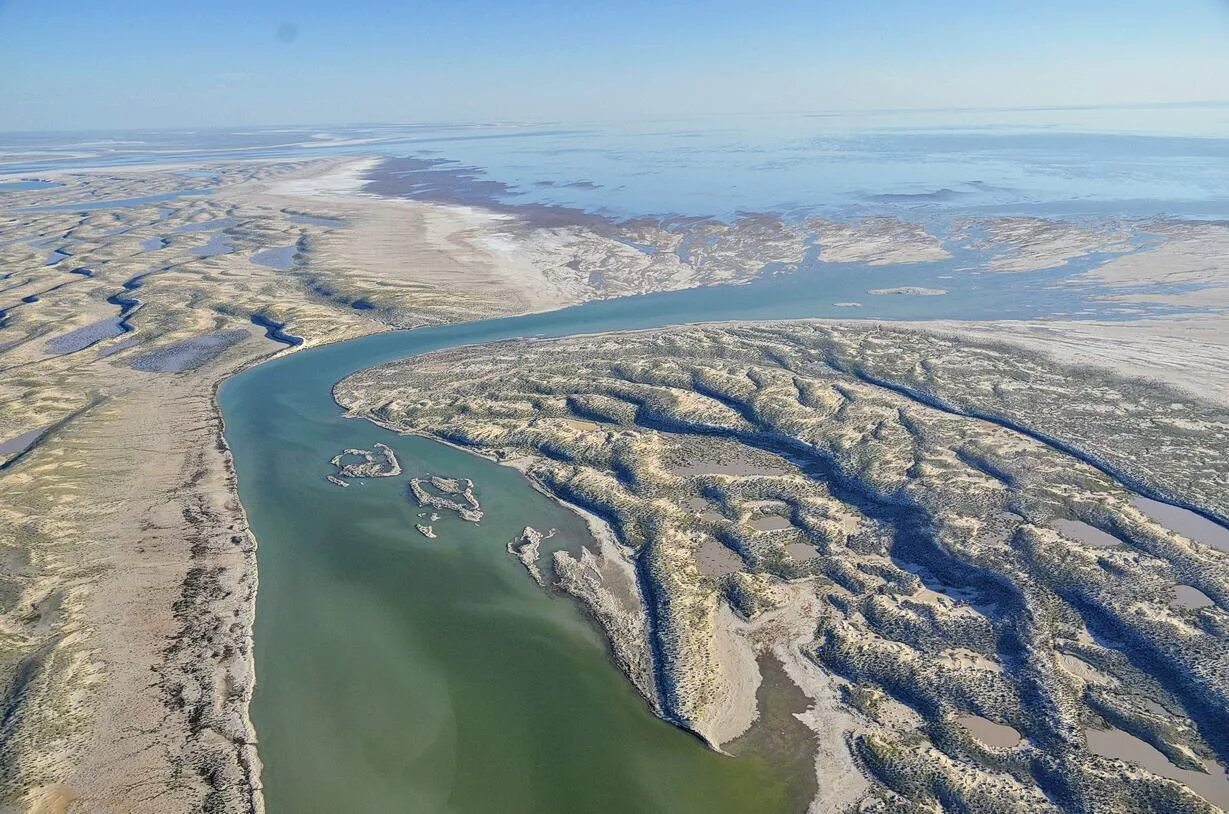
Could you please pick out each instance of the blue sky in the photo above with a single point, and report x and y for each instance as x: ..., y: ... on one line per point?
x: 99, y: 64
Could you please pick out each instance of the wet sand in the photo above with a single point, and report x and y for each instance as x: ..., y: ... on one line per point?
x: 778, y: 737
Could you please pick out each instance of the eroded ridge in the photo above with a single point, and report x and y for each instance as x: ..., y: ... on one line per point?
x: 940, y: 542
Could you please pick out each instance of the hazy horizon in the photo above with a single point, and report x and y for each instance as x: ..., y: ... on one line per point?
x: 71, y: 68
x: 299, y: 126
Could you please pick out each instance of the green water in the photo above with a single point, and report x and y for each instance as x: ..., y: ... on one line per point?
x: 396, y: 673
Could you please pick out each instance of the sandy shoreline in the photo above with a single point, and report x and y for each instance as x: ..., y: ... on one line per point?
x: 155, y: 573
x: 735, y: 637
x: 419, y: 397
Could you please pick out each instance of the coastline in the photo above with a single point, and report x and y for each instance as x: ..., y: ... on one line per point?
x: 824, y: 717
x: 487, y: 422
x: 452, y: 234
x: 250, y: 749
x: 158, y: 576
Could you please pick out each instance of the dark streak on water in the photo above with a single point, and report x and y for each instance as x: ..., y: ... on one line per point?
x: 443, y: 181
x: 273, y: 330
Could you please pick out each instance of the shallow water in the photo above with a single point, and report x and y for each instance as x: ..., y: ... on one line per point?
x: 994, y: 735
x: 1109, y: 161
x: 25, y: 184
x: 779, y: 735
x: 771, y: 522
x: 1185, y: 522
x: 280, y: 258
x: 1188, y: 596
x: 1091, y: 535
x: 56, y: 256
x: 20, y: 443
x: 1213, y: 785
x: 217, y: 244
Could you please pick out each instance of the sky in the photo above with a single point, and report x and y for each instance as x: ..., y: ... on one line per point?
x: 69, y: 64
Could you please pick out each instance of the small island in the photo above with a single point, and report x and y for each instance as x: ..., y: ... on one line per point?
x: 378, y: 463
x: 454, y: 495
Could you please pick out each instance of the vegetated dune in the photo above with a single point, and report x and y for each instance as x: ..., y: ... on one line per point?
x: 941, y: 541
x: 127, y: 593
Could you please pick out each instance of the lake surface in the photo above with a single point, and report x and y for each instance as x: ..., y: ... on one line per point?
x: 280, y: 258
x: 1091, y: 162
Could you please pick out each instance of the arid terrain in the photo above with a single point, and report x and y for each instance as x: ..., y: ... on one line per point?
x: 877, y: 513
x: 954, y: 550
x: 130, y: 577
